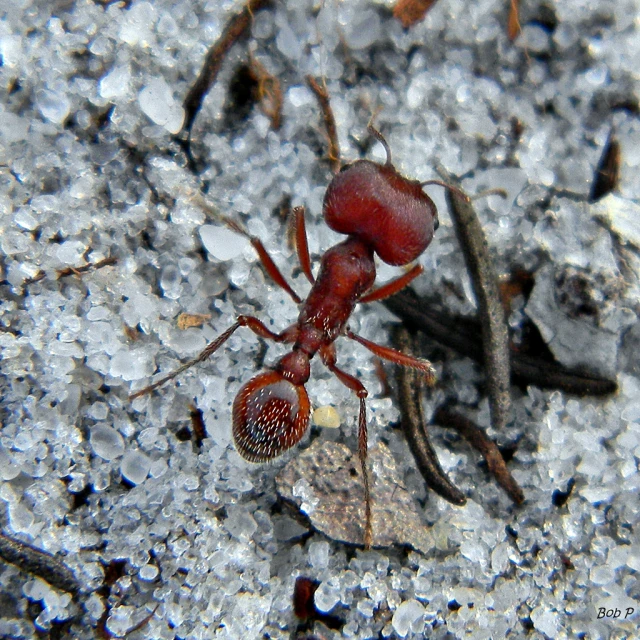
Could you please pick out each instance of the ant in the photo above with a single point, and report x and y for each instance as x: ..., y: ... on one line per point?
x: 382, y: 213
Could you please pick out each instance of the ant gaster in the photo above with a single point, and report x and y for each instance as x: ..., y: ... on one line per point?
x: 382, y: 213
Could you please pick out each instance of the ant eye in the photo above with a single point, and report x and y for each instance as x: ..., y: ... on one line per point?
x: 270, y: 415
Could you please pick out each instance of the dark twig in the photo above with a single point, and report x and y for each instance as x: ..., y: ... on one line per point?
x: 142, y: 623
x: 197, y: 425
x: 607, y: 172
x: 39, y: 563
x: 495, y: 335
x: 41, y: 275
x: 233, y: 31
x: 329, y: 121
x: 513, y: 22
x: 415, y: 430
x: 76, y: 271
x: 477, y: 438
x: 463, y: 335
x: 269, y: 92
x: 304, y: 606
x: 420, y: 315
x: 552, y: 375
x: 72, y: 271
x: 414, y: 425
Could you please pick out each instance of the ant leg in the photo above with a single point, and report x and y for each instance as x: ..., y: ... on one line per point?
x: 258, y: 327
x: 397, y: 357
x: 302, y: 246
x: 267, y: 261
x: 393, y: 286
x: 328, y: 355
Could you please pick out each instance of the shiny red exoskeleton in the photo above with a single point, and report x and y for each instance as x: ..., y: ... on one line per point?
x: 382, y: 213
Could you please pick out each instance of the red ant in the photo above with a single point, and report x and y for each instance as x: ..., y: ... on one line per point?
x: 381, y: 212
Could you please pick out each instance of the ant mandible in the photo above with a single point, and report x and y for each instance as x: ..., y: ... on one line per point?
x: 382, y: 213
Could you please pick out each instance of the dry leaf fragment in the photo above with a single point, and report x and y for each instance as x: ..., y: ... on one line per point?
x: 188, y: 320
x: 410, y: 12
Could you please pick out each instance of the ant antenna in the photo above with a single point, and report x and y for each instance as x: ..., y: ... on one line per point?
x: 380, y: 138
x: 449, y: 187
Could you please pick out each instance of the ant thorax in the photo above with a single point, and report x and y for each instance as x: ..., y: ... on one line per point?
x: 346, y: 272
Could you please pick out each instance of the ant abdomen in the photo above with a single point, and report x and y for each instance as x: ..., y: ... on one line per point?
x: 270, y: 415
x: 387, y: 211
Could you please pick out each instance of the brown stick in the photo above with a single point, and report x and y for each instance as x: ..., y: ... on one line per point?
x: 39, y: 563
x: 464, y: 335
x: 197, y: 425
x: 269, y: 93
x: 414, y: 426
x: 72, y: 271
x: 607, y: 173
x: 329, y: 121
x: 41, y: 275
x: 513, y: 22
x: 75, y: 271
x: 233, y: 31
x: 495, y: 335
x: 486, y: 447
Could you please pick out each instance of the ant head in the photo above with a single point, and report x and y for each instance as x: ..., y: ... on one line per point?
x: 387, y: 211
x: 270, y: 415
